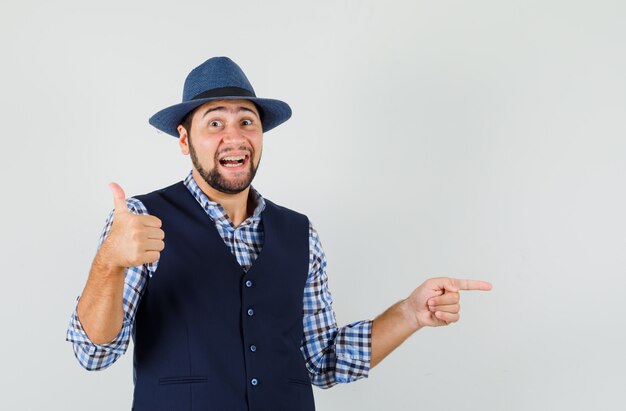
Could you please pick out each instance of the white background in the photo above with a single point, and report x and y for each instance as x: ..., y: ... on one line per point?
x: 480, y: 139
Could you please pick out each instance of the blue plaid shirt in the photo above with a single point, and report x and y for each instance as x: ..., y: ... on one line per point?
x: 332, y: 354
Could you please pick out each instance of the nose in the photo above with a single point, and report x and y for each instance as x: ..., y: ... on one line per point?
x: 232, y: 134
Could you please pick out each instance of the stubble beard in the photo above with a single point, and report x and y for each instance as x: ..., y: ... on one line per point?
x: 215, y: 179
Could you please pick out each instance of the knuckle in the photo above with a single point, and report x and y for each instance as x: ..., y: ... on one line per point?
x: 135, y: 236
x: 134, y: 231
x: 135, y: 258
x: 149, y: 257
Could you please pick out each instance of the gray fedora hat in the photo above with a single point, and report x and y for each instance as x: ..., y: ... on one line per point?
x: 219, y: 78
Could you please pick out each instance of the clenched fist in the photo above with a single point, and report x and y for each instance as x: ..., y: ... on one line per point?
x: 133, y: 239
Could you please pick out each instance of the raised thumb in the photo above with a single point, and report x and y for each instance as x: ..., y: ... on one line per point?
x: 119, y: 198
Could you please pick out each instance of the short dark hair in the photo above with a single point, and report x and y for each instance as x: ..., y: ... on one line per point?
x: 186, y: 121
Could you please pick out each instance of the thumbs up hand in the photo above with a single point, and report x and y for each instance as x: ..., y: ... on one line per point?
x: 133, y: 239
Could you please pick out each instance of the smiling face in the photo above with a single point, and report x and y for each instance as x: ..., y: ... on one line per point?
x: 225, y: 140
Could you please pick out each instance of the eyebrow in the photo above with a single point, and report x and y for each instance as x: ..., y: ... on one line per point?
x: 222, y: 108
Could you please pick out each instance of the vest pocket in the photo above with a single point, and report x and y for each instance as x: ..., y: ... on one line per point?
x: 298, y: 381
x: 182, y: 380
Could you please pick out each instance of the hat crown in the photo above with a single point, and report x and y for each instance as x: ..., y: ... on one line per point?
x: 215, y: 73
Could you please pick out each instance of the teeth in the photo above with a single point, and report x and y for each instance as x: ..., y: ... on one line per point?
x: 234, y: 158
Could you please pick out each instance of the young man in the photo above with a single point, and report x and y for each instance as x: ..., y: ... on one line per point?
x: 224, y: 292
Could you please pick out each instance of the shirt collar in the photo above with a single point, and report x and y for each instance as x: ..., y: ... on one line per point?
x: 215, y: 210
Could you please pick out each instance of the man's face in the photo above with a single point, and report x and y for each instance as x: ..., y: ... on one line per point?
x: 225, y: 141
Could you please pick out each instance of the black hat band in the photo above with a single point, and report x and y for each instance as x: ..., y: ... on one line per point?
x: 225, y: 92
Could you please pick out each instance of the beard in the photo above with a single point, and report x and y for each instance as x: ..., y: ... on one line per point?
x: 216, y: 179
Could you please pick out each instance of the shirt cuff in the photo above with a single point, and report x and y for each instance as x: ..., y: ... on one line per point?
x: 77, y: 335
x: 353, y: 347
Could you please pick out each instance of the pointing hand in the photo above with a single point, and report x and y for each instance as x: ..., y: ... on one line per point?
x: 133, y: 239
x: 436, y: 301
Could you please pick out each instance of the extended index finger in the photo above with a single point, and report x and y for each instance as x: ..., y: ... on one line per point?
x: 472, y: 284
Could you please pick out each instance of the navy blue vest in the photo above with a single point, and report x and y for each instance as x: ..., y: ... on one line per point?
x: 209, y: 336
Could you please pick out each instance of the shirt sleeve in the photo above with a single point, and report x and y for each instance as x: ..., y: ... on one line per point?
x: 95, y: 357
x: 333, y: 355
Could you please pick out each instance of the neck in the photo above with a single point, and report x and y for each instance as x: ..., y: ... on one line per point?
x: 236, y: 206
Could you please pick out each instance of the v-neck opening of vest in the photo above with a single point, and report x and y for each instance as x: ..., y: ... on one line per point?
x: 233, y: 257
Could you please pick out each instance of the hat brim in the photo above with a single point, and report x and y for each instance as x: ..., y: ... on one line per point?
x: 272, y: 112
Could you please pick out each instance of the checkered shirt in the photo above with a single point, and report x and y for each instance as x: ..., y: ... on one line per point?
x: 332, y: 354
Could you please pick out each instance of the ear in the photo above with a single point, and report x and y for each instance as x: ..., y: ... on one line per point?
x: 183, y: 140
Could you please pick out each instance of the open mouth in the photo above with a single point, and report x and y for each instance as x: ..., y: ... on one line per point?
x: 235, y: 161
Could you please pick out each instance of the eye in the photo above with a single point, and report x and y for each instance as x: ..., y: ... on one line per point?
x: 246, y: 122
x: 215, y: 123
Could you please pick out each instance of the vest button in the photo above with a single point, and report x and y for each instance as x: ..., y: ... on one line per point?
x: 248, y: 283
x: 250, y: 312
x: 254, y: 381
x: 253, y: 348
